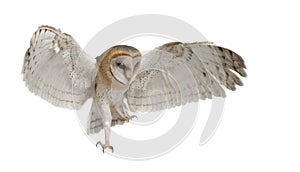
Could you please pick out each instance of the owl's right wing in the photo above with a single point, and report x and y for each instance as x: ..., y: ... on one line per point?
x: 177, y: 73
x: 58, y: 70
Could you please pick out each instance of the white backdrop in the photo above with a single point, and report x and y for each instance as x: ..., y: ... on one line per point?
x: 260, y: 128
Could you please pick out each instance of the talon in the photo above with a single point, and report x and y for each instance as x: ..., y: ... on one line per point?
x: 128, y: 118
x: 133, y: 116
x: 104, y: 146
x: 111, y: 148
x: 98, y: 143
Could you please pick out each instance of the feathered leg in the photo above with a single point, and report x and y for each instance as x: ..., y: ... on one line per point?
x: 106, y: 144
x: 104, y: 110
x: 100, y: 118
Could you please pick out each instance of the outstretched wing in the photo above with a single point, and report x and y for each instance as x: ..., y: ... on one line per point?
x: 177, y: 73
x: 57, y: 69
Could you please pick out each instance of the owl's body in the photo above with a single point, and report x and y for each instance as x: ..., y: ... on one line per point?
x: 59, y: 71
x: 109, y: 92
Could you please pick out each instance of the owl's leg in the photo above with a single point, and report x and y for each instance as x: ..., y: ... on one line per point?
x: 105, y: 115
x: 106, y: 144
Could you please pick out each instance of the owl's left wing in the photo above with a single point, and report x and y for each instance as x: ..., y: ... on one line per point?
x: 177, y: 73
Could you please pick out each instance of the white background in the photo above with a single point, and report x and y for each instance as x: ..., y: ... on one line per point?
x: 260, y: 129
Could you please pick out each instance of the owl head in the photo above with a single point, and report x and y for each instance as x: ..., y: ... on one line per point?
x: 120, y: 62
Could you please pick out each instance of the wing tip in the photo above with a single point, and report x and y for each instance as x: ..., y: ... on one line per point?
x: 50, y: 28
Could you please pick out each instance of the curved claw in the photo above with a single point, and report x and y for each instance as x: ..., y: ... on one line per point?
x: 128, y: 118
x: 133, y: 116
x: 98, y: 144
x: 104, y: 146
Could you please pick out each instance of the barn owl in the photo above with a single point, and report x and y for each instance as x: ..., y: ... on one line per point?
x: 122, y: 80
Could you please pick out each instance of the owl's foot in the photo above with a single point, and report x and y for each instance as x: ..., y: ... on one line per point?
x: 128, y: 118
x: 122, y: 119
x: 104, y: 146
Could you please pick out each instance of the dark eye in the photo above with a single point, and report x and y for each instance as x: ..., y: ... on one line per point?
x: 121, y: 65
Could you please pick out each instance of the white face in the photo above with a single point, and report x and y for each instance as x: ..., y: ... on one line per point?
x: 124, y: 68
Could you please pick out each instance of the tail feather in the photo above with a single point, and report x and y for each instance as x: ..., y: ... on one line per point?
x: 94, y: 123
